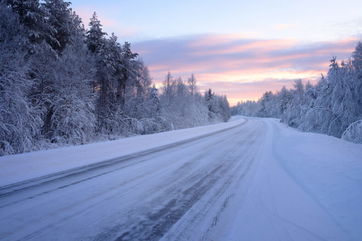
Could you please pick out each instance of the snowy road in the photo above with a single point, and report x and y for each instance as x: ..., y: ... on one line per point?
x: 244, y: 183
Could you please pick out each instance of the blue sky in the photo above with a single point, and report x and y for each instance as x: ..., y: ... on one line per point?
x: 166, y: 33
x: 310, y: 20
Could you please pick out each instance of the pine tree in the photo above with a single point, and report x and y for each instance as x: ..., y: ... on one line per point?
x: 357, y: 57
x: 127, y: 71
x: 210, y: 102
x: 294, y: 108
x: 59, y: 18
x: 95, y: 34
x: 32, y: 16
x: 264, y: 102
x: 284, y: 99
x: 357, y: 85
x: 111, y: 79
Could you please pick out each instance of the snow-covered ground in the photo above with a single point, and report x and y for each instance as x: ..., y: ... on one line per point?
x: 256, y: 180
x: 307, y: 187
x: 16, y: 168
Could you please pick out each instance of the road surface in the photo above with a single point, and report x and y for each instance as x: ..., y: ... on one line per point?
x: 230, y: 185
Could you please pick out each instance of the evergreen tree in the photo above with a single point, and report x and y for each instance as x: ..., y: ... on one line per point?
x: 284, y: 99
x: 357, y: 84
x: 333, y: 106
x: 95, y: 34
x: 62, y: 85
x: 127, y: 71
x: 60, y: 20
x: 32, y: 16
x: 264, y: 102
x: 209, y: 98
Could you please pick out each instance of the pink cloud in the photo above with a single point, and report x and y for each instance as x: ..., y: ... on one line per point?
x: 236, y: 59
x: 216, y: 39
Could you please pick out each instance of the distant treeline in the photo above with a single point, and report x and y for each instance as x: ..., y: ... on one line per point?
x: 63, y: 84
x: 333, y: 106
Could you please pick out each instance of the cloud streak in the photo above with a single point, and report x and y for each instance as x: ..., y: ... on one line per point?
x: 225, y: 62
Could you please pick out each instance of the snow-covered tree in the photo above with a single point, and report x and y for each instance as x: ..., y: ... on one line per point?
x: 32, y: 16
x: 116, y: 67
x: 19, y: 120
x: 354, y: 132
x: 332, y: 106
x: 218, y: 106
x: 62, y: 85
x: 95, y: 34
x: 72, y: 116
x: 295, y: 105
x: 357, y: 83
x: 264, y: 104
x: 60, y: 20
x: 192, y: 84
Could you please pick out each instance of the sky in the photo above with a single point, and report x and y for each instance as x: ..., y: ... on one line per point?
x: 237, y: 48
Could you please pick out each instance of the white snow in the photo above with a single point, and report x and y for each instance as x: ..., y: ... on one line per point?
x: 258, y: 181
x: 307, y: 187
x: 20, y: 167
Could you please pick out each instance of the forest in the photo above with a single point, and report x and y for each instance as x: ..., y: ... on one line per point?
x: 332, y: 106
x: 62, y: 83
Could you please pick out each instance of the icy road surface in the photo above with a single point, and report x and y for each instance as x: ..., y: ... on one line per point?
x: 257, y: 180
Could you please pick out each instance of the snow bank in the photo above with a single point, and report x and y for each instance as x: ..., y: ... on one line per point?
x: 24, y: 166
x: 305, y: 186
x: 353, y: 132
x: 328, y: 169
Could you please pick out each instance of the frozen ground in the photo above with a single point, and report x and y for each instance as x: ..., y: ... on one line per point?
x: 16, y: 168
x: 244, y: 180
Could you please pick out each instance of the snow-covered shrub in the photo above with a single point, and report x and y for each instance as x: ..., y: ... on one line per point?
x: 19, y: 121
x: 153, y: 125
x: 71, y: 115
x: 353, y: 132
